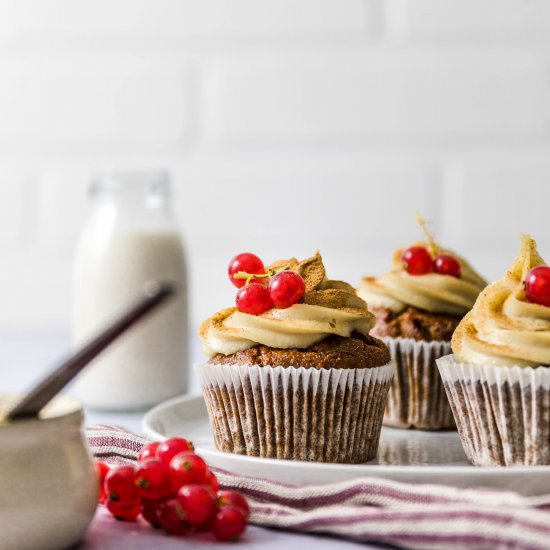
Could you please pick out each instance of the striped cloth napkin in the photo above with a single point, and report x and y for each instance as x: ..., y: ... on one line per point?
x: 374, y: 510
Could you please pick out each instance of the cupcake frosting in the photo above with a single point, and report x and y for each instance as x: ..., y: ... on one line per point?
x: 327, y: 307
x: 433, y: 292
x: 503, y: 328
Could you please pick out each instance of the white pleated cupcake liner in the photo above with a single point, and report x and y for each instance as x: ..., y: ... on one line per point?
x: 324, y: 415
x: 502, y: 413
x: 417, y: 398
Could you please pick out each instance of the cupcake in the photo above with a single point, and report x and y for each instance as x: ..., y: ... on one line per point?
x: 293, y: 372
x: 498, y: 379
x: 418, y: 305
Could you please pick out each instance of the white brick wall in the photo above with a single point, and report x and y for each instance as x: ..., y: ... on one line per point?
x: 288, y: 126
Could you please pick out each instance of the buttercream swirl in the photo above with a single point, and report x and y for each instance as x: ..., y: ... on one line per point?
x: 431, y: 292
x: 503, y: 328
x: 328, y: 307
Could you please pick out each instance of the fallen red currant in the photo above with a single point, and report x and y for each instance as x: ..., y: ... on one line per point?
x: 253, y: 299
x: 250, y: 263
x: 445, y: 264
x: 124, y: 510
x: 148, y: 451
x: 120, y: 485
x: 537, y: 285
x: 232, y: 498
x: 153, y: 479
x: 229, y: 524
x: 172, y: 518
x: 199, y: 504
x: 150, y: 511
x: 286, y: 289
x: 168, y: 449
x: 212, y: 481
x: 102, y: 471
x: 417, y: 260
x: 186, y: 468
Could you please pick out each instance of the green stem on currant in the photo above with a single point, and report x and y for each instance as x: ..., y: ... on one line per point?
x: 251, y: 276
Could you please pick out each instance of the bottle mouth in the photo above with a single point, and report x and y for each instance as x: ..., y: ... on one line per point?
x: 131, y: 182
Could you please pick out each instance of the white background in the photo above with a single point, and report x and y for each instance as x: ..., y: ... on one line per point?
x: 288, y: 125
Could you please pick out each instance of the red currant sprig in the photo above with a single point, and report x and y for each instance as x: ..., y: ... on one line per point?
x: 537, y: 285
x: 285, y: 288
x: 173, y: 489
x: 418, y: 261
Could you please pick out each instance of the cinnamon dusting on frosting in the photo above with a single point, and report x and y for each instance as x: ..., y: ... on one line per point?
x: 503, y: 328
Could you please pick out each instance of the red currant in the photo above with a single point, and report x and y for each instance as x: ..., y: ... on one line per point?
x: 417, y: 260
x: 187, y: 468
x: 199, y: 504
x: 537, y: 285
x: 229, y: 524
x: 168, y: 449
x: 120, y: 485
x: 447, y: 265
x: 286, y: 288
x: 172, y: 518
x: 212, y: 481
x: 153, y: 479
x: 253, y: 299
x: 150, y: 510
x: 244, y: 262
x: 232, y: 498
x: 124, y: 510
x: 102, y: 470
x: 148, y: 451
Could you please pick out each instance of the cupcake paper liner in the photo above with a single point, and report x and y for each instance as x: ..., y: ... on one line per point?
x: 417, y: 398
x: 323, y: 415
x: 502, y: 413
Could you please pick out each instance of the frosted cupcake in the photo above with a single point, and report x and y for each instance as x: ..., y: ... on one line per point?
x: 418, y: 305
x: 293, y: 372
x: 498, y: 379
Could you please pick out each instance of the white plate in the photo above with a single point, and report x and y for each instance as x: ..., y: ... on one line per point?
x: 404, y: 455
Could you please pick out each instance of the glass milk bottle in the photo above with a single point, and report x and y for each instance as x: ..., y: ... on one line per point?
x: 129, y: 239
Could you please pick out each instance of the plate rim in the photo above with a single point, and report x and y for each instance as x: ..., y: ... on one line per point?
x: 436, y: 469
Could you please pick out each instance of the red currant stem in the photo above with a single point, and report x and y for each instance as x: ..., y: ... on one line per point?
x: 250, y: 276
x: 434, y: 247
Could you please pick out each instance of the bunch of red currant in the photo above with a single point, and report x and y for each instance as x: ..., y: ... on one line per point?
x: 247, y: 272
x: 418, y: 261
x: 537, y: 285
x: 172, y: 488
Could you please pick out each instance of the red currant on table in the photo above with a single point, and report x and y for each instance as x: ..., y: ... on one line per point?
x: 172, y: 518
x: 286, y: 289
x: 148, y: 451
x: 229, y: 524
x: 417, y: 260
x: 250, y: 263
x: 447, y: 265
x: 212, y: 481
x: 153, y: 479
x: 168, y: 449
x: 186, y: 468
x: 124, y: 510
x: 253, y: 298
x: 537, y: 285
x: 232, y: 498
x: 199, y: 504
x: 120, y: 485
x: 150, y: 511
x: 102, y: 471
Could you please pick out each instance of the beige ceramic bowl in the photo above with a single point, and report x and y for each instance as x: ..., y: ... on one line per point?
x: 48, y: 482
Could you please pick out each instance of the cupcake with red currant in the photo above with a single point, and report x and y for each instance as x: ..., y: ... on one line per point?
x: 498, y: 378
x: 293, y: 372
x: 418, y: 305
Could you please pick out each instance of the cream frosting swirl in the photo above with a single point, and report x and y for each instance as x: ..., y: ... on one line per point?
x: 432, y: 292
x: 328, y: 307
x: 503, y: 328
